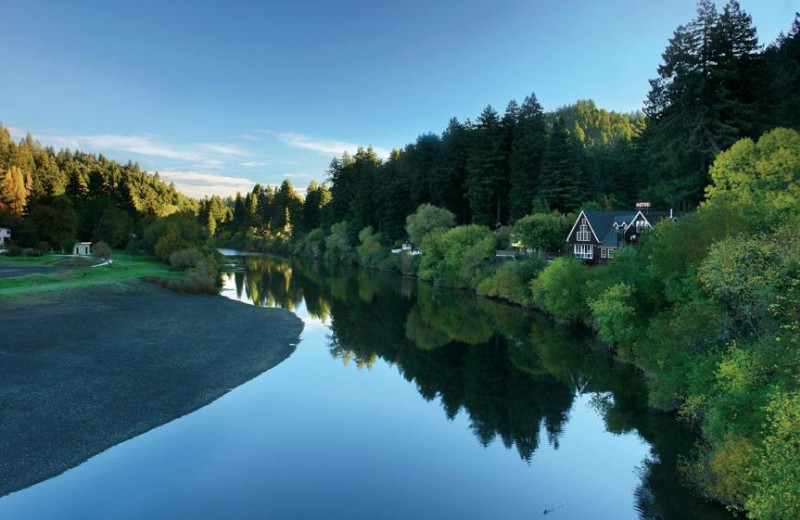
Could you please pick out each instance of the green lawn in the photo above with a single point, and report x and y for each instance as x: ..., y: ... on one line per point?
x: 125, y: 267
x: 31, y: 260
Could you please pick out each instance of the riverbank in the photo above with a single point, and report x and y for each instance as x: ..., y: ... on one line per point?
x: 85, y: 369
x: 25, y: 277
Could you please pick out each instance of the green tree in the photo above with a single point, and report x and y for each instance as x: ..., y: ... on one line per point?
x: 530, y: 140
x: 542, y: 231
x: 766, y: 173
x: 563, y: 289
x: 561, y: 183
x: 487, y: 172
x: 13, y: 190
x: 426, y: 219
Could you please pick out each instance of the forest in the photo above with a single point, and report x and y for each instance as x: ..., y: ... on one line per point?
x: 708, y: 306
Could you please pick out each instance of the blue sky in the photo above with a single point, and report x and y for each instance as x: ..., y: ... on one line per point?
x: 220, y: 95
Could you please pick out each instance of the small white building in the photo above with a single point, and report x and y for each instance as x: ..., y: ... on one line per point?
x: 5, y: 234
x: 82, y: 248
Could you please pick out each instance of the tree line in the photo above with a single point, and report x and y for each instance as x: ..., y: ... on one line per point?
x: 49, y: 198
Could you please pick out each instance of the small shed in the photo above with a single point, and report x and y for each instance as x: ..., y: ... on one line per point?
x: 82, y: 248
x: 5, y: 234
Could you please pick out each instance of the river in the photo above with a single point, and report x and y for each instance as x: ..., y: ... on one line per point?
x: 401, y: 401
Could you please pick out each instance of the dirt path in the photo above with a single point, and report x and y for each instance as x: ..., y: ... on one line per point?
x: 90, y: 369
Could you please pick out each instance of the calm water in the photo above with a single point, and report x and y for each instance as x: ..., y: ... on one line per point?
x: 402, y: 401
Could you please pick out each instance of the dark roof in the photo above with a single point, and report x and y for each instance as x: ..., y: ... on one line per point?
x: 602, y: 222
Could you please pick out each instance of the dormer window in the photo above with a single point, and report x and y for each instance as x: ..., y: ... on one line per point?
x: 583, y: 231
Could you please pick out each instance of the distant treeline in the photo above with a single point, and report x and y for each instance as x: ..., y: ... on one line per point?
x: 49, y: 197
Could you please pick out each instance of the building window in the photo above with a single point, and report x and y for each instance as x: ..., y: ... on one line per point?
x: 583, y: 232
x: 585, y: 251
x: 610, y: 253
x: 603, y: 252
x: 640, y: 226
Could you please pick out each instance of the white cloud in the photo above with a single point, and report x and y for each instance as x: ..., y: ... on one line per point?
x: 198, y: 184
x: 143, y: 144
x: 253, y: 164
x: 324, y: 146
x: 225, y: 149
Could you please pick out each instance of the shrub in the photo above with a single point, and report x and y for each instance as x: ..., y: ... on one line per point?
x: 185, y: 258
x: 542, y: 231
x: 512, y: 280
x: 370, y: 253
x: 338, y: 247
x: 425, y: 219
x: 614, y: 314
x: 204, y: 278
x: 101, y: 250
x: 561, y: 290
x: 459, y: 257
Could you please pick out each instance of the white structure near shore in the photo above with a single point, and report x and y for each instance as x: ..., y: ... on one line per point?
x: 82, y: 248
x: 5, y: 234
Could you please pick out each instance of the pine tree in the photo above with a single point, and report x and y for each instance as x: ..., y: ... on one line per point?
x: 561, y: 184
x: 452, y: 176
x: 530, y: 140
x: 486, y: 175
x: 13, y: 192
x: 700, y: 104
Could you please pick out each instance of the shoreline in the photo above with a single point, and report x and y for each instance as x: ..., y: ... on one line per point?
x: 84, y: 370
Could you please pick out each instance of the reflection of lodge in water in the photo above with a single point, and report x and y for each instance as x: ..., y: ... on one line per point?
x: 514, y: 373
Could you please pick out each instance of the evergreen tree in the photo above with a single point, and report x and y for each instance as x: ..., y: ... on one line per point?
x: 530, y: 140
x: 452, y: 176
x: 13, y: 190
x: 486, y: 173
x: 561, y: 183
x: 700, y: 103
x: 782, y: 65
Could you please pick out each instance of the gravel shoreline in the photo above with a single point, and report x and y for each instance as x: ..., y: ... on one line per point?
x: 88, y: 369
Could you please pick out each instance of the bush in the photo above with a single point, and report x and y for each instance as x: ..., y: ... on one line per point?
x: 185, y: 258
x: 338, y: 247
x: 425, y: 219
x: 370, y: 253
x: 542, y: 231
x: 312, y: 245
x: 101, y: 250
x: 202, y: 279
x: 459, y: 257
x: 512, y: 280
x: 614, y: 314
x: 561, y: 290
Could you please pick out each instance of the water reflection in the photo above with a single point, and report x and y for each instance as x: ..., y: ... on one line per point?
x: 514, y: 373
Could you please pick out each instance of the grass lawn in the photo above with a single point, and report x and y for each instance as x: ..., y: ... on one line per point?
x: 125, y: 267
x: 31, y: 260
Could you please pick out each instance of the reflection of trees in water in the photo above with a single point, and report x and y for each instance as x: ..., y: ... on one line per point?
x: 513, y: 372
x: 271, y: 283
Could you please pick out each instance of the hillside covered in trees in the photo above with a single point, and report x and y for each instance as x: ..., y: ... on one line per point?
x: 49, y: 197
